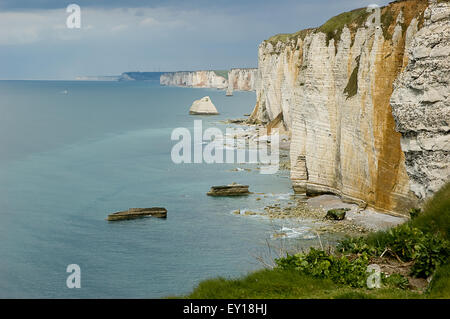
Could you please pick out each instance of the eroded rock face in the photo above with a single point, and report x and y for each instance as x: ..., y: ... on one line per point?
x: 334, y: 92
x: 278, y: 68
x: 421, y: 103
x: 204, y: 106
x: 242, y: 80
x: 200, y: 79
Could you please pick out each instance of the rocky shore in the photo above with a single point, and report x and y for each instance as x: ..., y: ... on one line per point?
x: 311, y: 210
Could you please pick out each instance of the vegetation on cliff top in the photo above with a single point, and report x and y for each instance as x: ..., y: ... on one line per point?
x: 353, y: 20
x: 357, y: 18
x: 332, y: 28
x: 287, y: 37
x: 222, y: 73
x: 420, y: 246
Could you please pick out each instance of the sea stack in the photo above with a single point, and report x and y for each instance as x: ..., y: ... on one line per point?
x: 204, y: 106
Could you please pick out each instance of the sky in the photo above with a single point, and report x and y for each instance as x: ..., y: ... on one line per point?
x: 148, y: 35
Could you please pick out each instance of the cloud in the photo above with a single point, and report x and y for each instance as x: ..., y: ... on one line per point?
x: 119, y: 27
x: 149, y: 22
x: 25, y: 27
x: 22, y: 27
x: 118, y: 36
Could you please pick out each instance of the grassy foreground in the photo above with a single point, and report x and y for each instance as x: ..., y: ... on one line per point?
x: 422, y: 244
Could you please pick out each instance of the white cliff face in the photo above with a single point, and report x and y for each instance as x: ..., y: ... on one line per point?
x: 199, y: 79
x: 421, y: 104
x: 278, y: 68
x: 238, y: 79
x: 242, y: 80
x: 334, y: 92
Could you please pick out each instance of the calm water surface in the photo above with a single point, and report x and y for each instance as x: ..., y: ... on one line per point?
x: 72, y: 152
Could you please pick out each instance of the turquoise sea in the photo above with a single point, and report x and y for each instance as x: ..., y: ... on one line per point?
x: 73, y: 152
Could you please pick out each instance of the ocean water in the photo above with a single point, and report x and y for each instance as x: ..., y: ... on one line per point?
x: 73, y: 152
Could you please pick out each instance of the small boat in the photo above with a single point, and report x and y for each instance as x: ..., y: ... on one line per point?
x: 133, y: 213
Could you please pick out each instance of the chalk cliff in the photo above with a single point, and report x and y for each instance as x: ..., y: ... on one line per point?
x: 421, y: 104
x: 242, y: 80
x: 332, y: 86
x: 236, y: 79
x: 203, y: 79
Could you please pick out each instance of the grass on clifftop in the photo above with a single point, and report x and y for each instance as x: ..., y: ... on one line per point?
x: 222, y: 73
x: 356, y: 19
x: 422, y: 244
x: 286, y: 37
x: 332, y: 28
x: 352, y: 19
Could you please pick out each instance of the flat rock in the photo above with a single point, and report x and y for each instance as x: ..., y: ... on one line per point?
x: 133, y: 213
x: 229, y: 190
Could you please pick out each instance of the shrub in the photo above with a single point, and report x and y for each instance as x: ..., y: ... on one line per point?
x: 414, y: 212
x: 395, y: 281
x: 319, y: 264
x: 357, y: 245
x: 435, y: 216
x: 409, y: 243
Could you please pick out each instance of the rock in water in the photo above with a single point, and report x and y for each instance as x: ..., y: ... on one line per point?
x: 138, y: 212
x: 337, y: 214
x: 229, y: 190
x: 204, y: 106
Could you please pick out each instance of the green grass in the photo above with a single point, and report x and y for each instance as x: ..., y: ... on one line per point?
x: 332, y: 28
x: 436, y: 214
x: 440, y: 284
x: 352, y: 19
x: 288, y: 283
x: 222, y: 73
x: 286, y: 37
